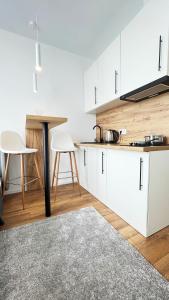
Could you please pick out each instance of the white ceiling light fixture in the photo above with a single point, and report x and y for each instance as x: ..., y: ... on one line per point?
x: 38, y: 65
x: 35, y: 83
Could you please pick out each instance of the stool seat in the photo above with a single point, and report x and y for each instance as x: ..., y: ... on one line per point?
x: 19, y: 151
x: 64, y: 149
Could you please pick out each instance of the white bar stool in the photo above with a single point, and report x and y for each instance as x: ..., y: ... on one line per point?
x: 12, y: 144
x: 63, y: 143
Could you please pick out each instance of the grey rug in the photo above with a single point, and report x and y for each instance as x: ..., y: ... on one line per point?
x: 74, y: 256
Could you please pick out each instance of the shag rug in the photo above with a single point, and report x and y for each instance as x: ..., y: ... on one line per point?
x: 74, y: 256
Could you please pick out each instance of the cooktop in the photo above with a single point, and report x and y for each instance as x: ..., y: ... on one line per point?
x: 144, y: 144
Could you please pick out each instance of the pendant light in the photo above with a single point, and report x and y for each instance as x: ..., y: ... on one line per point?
x: 35, y: 83
x: 38, y: 65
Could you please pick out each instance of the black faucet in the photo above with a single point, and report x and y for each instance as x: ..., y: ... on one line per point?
x: 97, y: 126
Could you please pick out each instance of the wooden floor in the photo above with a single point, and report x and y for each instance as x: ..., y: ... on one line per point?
x: 155, y: 248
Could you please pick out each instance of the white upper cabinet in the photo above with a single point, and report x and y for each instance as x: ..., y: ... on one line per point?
x: 137, y: 57
x: 144, y: 46
x: 111, y: 71
x: 91, y: 86
x: 102, y: 79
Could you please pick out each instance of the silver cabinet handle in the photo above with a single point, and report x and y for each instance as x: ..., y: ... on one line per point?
x: 140, y: 175
x: 159, y: 53
x: 84, y: 158
x: 116, y: 74
x: 102, y: 163
x: 95, y: 95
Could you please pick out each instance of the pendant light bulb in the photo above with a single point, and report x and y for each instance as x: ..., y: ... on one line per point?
x: 35, y: 83
x: 38, y: 66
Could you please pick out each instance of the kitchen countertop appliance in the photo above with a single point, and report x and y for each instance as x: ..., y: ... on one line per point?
x: 155, y: 140
x: 111, y: 136
x: 150, y: 140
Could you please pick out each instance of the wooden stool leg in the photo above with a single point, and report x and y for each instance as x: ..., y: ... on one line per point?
x: 22, y: 179
x: 77, y: 174
x: 37, y: 170
x: 6, y: 172
x: 54, y: 168
x: 71, y: 165
x: 57, y: 173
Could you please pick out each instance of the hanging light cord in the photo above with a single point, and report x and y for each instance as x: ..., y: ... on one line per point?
x: 37, y: 29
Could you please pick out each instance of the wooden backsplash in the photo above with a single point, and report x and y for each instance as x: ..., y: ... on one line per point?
x: 144, y: 118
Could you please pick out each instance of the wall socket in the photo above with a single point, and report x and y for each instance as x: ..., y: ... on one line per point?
x: 123, y: 131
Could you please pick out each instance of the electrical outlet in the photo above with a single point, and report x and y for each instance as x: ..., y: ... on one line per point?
x: 123, y: 131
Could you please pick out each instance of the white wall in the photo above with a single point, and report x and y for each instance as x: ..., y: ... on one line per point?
x: 60, y: 87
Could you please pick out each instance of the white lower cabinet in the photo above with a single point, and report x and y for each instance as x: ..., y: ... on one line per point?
x: 92, y: 171
x: 135, y: 185
x: 127, y: 184
x: 101, y: 175
x: 158, y: 195
x: 138, y: 188
x: 82, y: 167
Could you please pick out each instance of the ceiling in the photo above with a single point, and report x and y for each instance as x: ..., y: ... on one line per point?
x: 84, y: 27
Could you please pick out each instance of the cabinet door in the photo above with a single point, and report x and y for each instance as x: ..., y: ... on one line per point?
x: 144, y: 46
x: 158, y: 206
x: 82, y: 167
x: 100, y: 88
x: 91, y: 171
x: 91, y: 86
x: 111, y: 71
x: 101, y: 172
x: 127, y: 186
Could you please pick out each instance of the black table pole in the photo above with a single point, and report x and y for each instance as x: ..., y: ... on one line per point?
x: 1, y: 222
x: 46, y: 169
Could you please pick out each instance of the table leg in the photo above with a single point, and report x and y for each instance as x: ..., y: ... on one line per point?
x: 46, y: 169
x: 1, y: 222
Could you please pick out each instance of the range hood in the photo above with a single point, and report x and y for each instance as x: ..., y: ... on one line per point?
x: 155, y: 88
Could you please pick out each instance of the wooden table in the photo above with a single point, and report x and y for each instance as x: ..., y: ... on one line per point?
x: 36, y: 122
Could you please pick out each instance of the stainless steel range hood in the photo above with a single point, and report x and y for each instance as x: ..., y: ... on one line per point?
x: 147, y: 91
